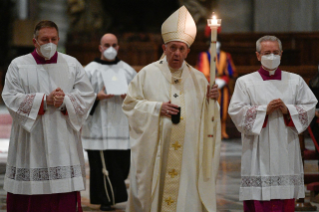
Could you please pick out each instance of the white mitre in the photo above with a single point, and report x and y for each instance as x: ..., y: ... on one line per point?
x: 180, y: 26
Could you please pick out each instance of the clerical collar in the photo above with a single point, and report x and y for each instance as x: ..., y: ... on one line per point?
x: 266, y: 75
x: 40, y: 60
x: 104, y: 62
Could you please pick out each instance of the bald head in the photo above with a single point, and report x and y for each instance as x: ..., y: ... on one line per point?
x: 108, y: 40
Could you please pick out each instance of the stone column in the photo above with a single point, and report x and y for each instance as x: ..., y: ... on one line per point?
x: 56, y: 11
x: 286, y: 15
x: 237, y: 16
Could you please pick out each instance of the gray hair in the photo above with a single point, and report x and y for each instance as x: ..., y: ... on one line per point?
x: 267, y: 38
x: 44, y: 24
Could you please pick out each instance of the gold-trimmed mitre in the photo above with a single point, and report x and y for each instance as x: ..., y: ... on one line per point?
x: 180, y: 26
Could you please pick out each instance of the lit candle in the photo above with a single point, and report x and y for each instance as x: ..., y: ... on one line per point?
x: 213, y: 135
x: 214, y: 22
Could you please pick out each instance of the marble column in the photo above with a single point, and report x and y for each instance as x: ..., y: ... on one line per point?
x: 56, y: 11
x: 286, y: 15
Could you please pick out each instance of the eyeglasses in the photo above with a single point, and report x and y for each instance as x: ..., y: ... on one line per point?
x: 268, y: 53
x: 174, y: 48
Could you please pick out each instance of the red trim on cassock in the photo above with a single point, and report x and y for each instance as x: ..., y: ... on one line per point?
x: 289, y: 122
x: 265, y: 121
x: 65, y: 113
x: 41, y: 110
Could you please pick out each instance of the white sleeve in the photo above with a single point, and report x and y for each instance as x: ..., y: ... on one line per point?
x: 247, y: 117
x: 23, y: 107
x: 303, y: 111
x: 80, y: 99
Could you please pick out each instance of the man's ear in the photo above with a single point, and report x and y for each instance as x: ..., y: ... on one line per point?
x: 34, y: 42
x: 164, y: 47
x: 100, y: 49
x: 258, y: 55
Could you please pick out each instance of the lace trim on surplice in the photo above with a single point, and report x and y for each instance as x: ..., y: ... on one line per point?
x: 303, y: 117
x: 26, y: 105
x: 250, y: 119
x: 43, y: 174
x: 25, y: 108
x: 78, y: 109
x: 266, y: 181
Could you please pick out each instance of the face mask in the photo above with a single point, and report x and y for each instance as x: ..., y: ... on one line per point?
x: 110, y: 53
x: 47, y: 50
x: 270, y: 61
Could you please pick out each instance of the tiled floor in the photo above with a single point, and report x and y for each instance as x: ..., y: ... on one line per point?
x: 227, y: 183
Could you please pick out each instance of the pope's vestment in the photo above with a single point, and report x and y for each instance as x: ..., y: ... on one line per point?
x: 271, y: 160
x: 167, y: 162
x: 45, y: 153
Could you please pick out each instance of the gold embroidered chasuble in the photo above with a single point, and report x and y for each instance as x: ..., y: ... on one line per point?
x: 167, y: 159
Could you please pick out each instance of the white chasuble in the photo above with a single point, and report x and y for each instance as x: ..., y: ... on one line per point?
x: 167, y: 159
x: 107, y: 128
x: 45, y: 152
x: 271, y: 160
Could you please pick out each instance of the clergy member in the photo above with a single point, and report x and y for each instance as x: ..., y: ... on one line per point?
x: 48, y: 96
x: 106, y: 133
x: 166, y: 105
x: 270, y: 107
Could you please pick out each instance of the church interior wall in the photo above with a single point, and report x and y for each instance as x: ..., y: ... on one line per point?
x: 82, y: 22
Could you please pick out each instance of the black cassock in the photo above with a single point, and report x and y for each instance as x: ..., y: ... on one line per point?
x: 117, y: 163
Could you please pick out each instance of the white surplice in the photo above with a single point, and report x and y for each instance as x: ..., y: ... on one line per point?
x: 150, y: 136
x: 45, y: 152
x: 107, y: 128
x: 271, y: 160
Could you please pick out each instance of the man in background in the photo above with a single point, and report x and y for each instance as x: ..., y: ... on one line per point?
x: 225, y: 75
x: 106, y: 133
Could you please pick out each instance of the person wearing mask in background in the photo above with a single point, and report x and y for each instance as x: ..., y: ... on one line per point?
x: 48, y: 96
x: 270, y: 107
x: 106, y: 132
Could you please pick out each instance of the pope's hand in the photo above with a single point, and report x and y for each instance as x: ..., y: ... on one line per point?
x: 275, y: 105
x: 213, y: 93
x: 169, y: 109
x: 102, y: 95
x: 317, y: 114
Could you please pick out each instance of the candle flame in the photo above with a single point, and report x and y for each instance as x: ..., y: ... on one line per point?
x: 214, y: 16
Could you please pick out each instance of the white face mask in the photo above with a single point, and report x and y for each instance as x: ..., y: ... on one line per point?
x: 47, y: 50
x: 110, y: 53
x: 270, y: 61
